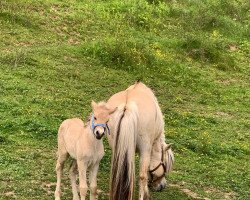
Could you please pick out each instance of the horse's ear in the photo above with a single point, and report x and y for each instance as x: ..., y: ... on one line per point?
x: 168, y: 146
x: 111, y: 111
x: 93, y: 104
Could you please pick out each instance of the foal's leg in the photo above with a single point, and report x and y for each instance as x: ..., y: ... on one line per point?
x: 82, y: 168
x: 93, y: 181
x: 72, y: 175
x: 62, y: 156
x: 143, y: 182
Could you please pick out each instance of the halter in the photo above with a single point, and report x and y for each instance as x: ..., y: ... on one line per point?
x: 160, y: 164
x: 93, y: 125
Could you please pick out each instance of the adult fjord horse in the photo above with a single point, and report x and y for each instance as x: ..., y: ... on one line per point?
x: 137, y: 125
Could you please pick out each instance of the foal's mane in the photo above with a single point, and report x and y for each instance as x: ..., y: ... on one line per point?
x: 87, y: 120
x: 101, y: 104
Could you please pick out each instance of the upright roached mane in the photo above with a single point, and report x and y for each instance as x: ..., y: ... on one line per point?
x: 138, y: 124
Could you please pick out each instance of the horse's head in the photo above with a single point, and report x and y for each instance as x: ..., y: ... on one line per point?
x: 100, y: 118
x: 161, y: 163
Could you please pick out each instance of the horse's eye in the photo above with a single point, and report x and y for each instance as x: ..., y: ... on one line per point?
x: 94, y: 118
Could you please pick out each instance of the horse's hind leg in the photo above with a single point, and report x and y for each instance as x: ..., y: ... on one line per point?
x: 93, y: 182
x: 62, y: 156
x: 72, y: 176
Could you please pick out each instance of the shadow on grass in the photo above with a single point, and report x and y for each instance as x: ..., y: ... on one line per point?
x: 4, y: 140
x: 19, y: 20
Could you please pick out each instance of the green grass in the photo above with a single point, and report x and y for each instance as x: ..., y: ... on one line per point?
x: 56, y: 56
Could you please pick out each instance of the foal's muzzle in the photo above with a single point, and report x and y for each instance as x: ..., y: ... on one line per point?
x: 99, y: 134
x: 99, y: 129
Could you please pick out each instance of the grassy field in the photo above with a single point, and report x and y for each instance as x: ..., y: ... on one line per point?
x: 56, y: 56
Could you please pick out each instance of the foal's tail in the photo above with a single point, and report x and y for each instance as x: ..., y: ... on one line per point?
x: 123, y: 158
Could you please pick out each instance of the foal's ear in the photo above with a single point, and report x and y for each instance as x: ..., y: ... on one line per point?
x: 168, y: 146
x: 93, y: 104
x: 111, y: 111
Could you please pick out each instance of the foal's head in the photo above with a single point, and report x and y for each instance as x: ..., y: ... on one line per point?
x: 161, y: 163
x: 100, y: 118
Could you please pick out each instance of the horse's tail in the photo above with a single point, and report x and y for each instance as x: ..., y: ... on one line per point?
x: 170, y: 160
x: 123, y: 157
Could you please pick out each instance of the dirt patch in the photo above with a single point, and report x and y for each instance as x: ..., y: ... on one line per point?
x: 48, y: 187
x: 230, y: 195
x: 233, y: 47
x: 227, y: 81
x: 223, y: 114
x: 188, y: 192
x: 10, y: 194
x: 73, y: 41
x: 226, y: 195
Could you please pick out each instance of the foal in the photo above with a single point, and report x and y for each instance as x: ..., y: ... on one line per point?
x: 83, y: 143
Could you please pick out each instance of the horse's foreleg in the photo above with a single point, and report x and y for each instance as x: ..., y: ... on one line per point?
x: 143, y: 182
x: 82, y: 168
x: 93, y: 182
x: 59, y: 169
x: 72, y: 176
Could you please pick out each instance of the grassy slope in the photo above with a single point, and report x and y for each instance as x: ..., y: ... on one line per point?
x: 56, y: 56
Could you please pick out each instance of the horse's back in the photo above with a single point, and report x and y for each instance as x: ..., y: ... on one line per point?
x: 150, y: 116
x: 69, y: 134
x: 141, y: 95
x: 71, y: 127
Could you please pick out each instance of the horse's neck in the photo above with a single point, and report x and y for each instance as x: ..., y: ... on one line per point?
x: 156, y: 150
x: 157, y: 147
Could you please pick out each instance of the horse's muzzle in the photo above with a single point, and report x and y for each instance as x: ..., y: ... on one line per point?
x: 158, y: 187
